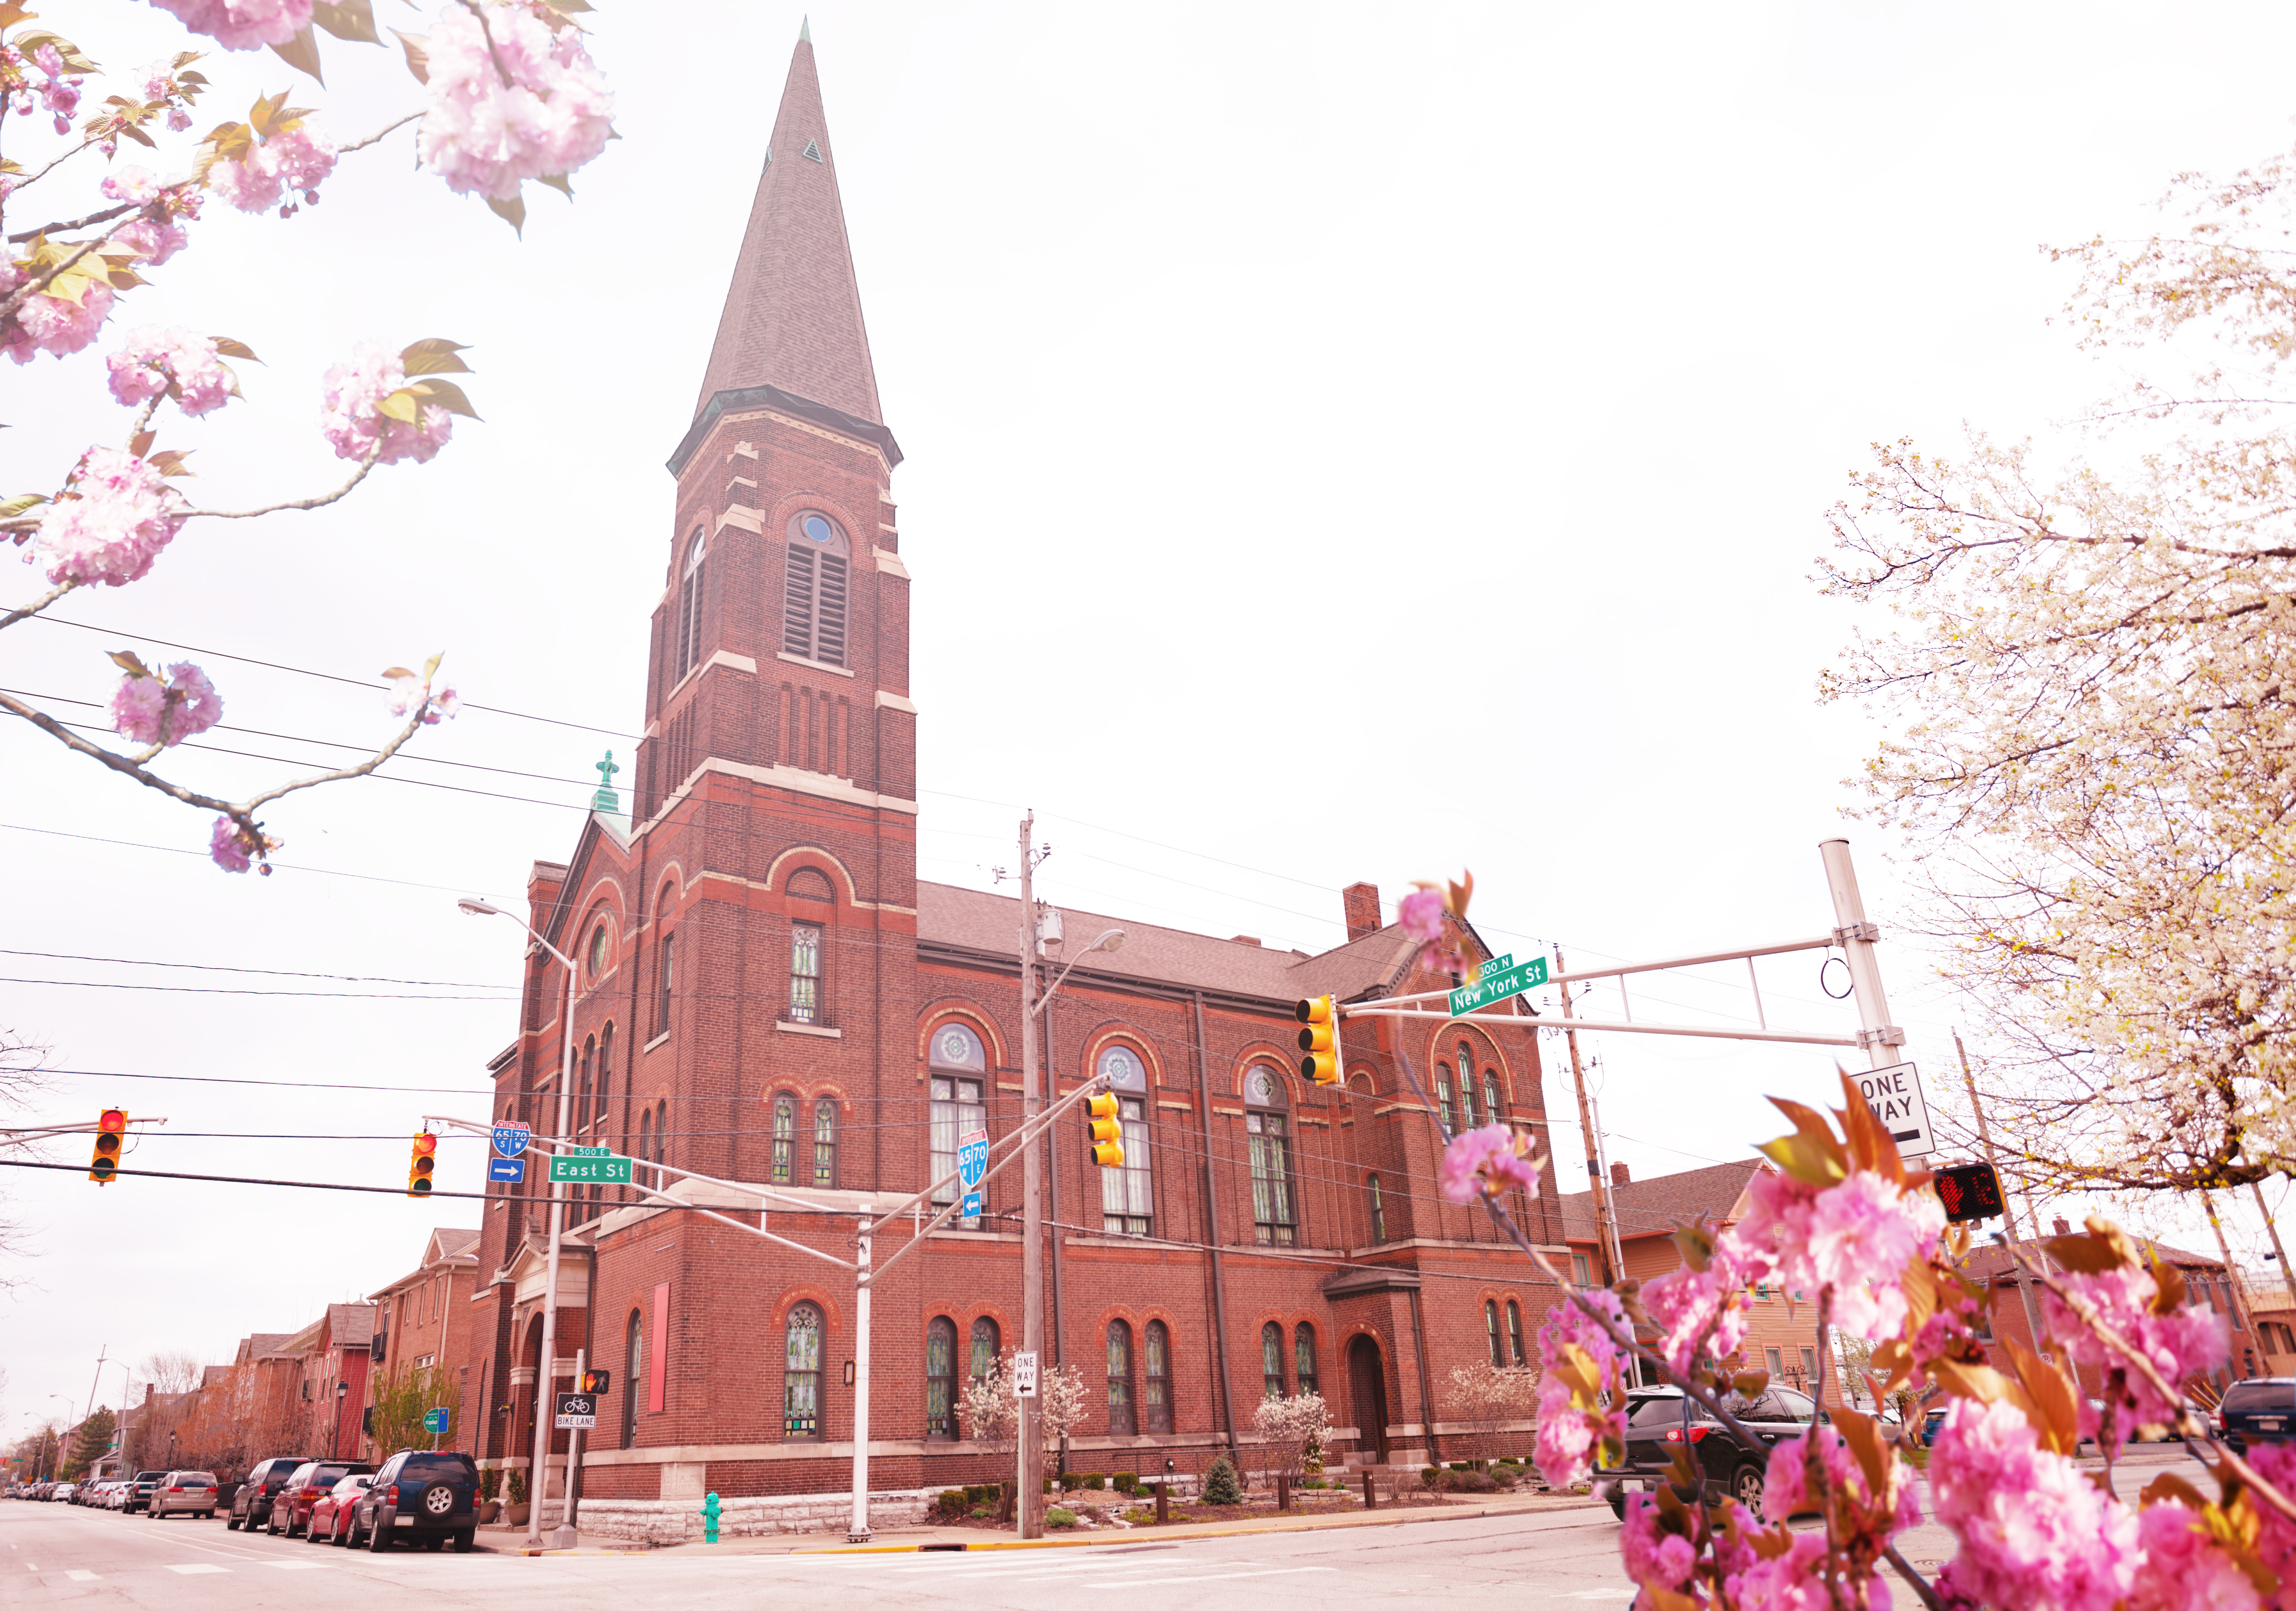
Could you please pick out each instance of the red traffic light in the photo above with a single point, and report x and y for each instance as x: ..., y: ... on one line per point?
x: 1970, y: 1191
x: 422, y: 1162
x: 111, y: 1134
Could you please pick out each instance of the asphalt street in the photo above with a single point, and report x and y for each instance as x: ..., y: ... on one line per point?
x: 58, y: 1555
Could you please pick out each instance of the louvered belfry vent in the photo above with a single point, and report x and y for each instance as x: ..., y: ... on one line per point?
x: 815, y: 589
x: 813, y: 150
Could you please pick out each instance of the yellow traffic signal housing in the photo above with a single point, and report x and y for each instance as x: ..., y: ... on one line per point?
x: 419, y: 1163
x: 111, y: 1135
x: 1319, y: 1040
x: 1107, y: 1133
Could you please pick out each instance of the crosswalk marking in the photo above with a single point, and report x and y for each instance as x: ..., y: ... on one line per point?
x: 78, y: 1577
x: 301, y: 1565
x: 1202, y: 1577
x: 196, y: 1568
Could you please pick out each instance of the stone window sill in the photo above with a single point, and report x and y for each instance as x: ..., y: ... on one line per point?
x: 823, y: 1029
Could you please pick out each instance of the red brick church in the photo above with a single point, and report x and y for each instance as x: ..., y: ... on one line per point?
x: 768, y: 993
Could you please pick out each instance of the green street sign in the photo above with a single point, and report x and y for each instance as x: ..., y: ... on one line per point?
x: 589, y: 1152
x: 1496, y: 983
x: 607, y: 1170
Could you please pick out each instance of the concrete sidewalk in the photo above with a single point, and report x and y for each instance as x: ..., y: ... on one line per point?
x: 887, y: 1540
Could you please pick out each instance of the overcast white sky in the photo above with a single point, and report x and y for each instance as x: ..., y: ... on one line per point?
x: 1469, y: 381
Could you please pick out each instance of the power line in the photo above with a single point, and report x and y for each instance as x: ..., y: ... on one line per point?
x: 412, y: 1090
x: 217, y: 967
x: 176, y: 849
x: 219, y: 990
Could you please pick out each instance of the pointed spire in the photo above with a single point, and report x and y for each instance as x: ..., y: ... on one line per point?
x: 792, y: 317
x: 805, y: 31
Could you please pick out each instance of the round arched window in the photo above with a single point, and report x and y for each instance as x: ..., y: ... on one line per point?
x: 1262, y: 1088
x: 954, y: 1045
x: 598, y: 949
x: 1121, y: 1067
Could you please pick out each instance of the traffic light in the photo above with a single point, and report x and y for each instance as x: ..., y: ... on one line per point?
x: 1319, y: 1040
x: 419, y: 1163
x: 595, y: 1382
x: 111, y: 1135
x: 1107, y: 1134
x: 1969, y: 1191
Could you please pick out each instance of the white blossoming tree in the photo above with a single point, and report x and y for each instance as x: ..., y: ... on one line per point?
x: 510, y: 95
x: 1487, y: 1396
x: 992, y: 1409
x: 1288, y: 1428
x: 2092, y: 678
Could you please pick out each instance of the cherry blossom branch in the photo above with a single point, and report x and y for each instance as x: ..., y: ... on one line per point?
x: 344, y: 151
x: 2088, y: 1313
x: 32, y: 287
x: 414, y: 724
x: 37, y: 604
x: 105, y: 216
x: 30, y: 180
x: 317, y: 501
x: 1913, y: 1579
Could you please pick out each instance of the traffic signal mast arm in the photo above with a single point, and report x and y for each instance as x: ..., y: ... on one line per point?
x: 1404, y: 1006
x: 35, y: 1132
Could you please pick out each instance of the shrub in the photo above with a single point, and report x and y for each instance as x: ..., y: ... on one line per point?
x: 1125, y: 1481
x: 518, y: 1487
x: 1428, y: 1473
x: 1459, y: 1482
x: 1058, y: 1518
x: 952, y: 1503
x: 1096, y: 1479
x: 489, y: 1480
x: 1220, y: 1486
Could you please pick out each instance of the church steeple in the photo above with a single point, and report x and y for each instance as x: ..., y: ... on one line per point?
x: 792, y: 317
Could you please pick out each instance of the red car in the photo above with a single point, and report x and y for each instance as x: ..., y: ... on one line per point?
x: 315, y: 1480
x: 330, y: 1518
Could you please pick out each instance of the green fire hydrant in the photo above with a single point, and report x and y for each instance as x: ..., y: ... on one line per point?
x: 710, y: 1520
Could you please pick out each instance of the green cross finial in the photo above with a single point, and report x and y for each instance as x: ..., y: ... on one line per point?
x: 606, y: 799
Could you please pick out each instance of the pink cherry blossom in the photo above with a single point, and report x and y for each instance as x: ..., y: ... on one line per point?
x: 1853, y: 1237
x: 1652, y: 1555
x: 1493, y: 1152
x: 2187, y: 1339
x: 60, y: 94
x: 409, y: 693
x: 145, y: 709
x: 156, y: 238
x: 231, y: 846
x: 2035, y: 1532
x: 2182, y: 1570
x: 132, y: 184
x: 55, y: 325
x: 114, y: 515
x: 1420, y: 915
x: 241, y: 24
x: 1701, y: 1314
x: 348, y: 417
x: 291, y: 160
x: 141, y: 369
x: 1787, y: 1490
x: 446, y: 703
x: 481, y: 135
x: 1569, y: 1432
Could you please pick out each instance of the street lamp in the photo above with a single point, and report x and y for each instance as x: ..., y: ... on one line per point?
x: 1110, y: 941
x: 335, y: 1434
x: 545, y: 1377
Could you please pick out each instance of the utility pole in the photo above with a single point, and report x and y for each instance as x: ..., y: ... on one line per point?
x: 1604, y: 1230
x: 91, y: 1387
x: 2008, y: 1214
x: 1603, y: 1162
x: 2240, y: 1316
x: 2280, y: 1254
x: 1031, y: 1510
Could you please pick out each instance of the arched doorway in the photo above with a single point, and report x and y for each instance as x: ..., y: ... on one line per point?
x: 1367, y: 1391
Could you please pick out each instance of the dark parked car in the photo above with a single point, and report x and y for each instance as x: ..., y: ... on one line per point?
x: 1656, y: 1427
x: 2258, y: 1411
x: 139, y: 1498
x: 250, y: 1507
x: 417, y: 1495
x: 310, y: 1481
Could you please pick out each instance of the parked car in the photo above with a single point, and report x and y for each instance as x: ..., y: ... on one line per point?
x: 139, y: 1498
x: 1657, y: 1426
x: 2262, y: 1410
x: 121, y: 1487
x: 250, y: 1507
x: 330, y: 1518
x: 310, y: 1481
x: 183, y: 1494
x: 418, y: 1495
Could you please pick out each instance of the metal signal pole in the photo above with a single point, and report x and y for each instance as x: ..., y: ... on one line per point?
x: 1030, y: 1510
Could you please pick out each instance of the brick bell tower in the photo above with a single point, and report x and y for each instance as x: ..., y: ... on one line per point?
x: 777, y: 780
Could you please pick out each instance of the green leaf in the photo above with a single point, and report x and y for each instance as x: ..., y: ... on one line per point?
x: 302, y: 53
x: 1804, y: 1160
x: 141, y: 442
x: 127, y: 660
x: 448, y: 395
x: 434, y: 355
x: 73, y: 58
x: 512, y: 212
x: 401, y: 405
x: 138, y: 136
x: 228, y: 347
x: 170, y: 461
x: 351, y: 20
x: 12, y: 506
x: 417, y: 48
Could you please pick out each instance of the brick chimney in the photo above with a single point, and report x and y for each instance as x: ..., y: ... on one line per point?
x: 1361, y: 902
x: 1618, y: 1176
x: 2060, y: 1227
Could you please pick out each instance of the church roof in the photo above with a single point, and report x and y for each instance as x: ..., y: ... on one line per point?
x: 975, y: 921
x: 792, y: 316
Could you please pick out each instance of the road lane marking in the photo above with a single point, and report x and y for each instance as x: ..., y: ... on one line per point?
x: 78, y: 1577
x: 1206, y: 1577
x: 197, y: 1567
x: 298, y: 1565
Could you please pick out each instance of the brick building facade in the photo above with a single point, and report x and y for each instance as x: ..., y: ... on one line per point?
x: 768, y: 993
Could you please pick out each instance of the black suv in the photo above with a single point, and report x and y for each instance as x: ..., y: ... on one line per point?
x: 139, y: 1497
x: 418, y: 1495
x: 1657, y: 1425
x: 2258, y: 1411
x: 250, y: 1507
